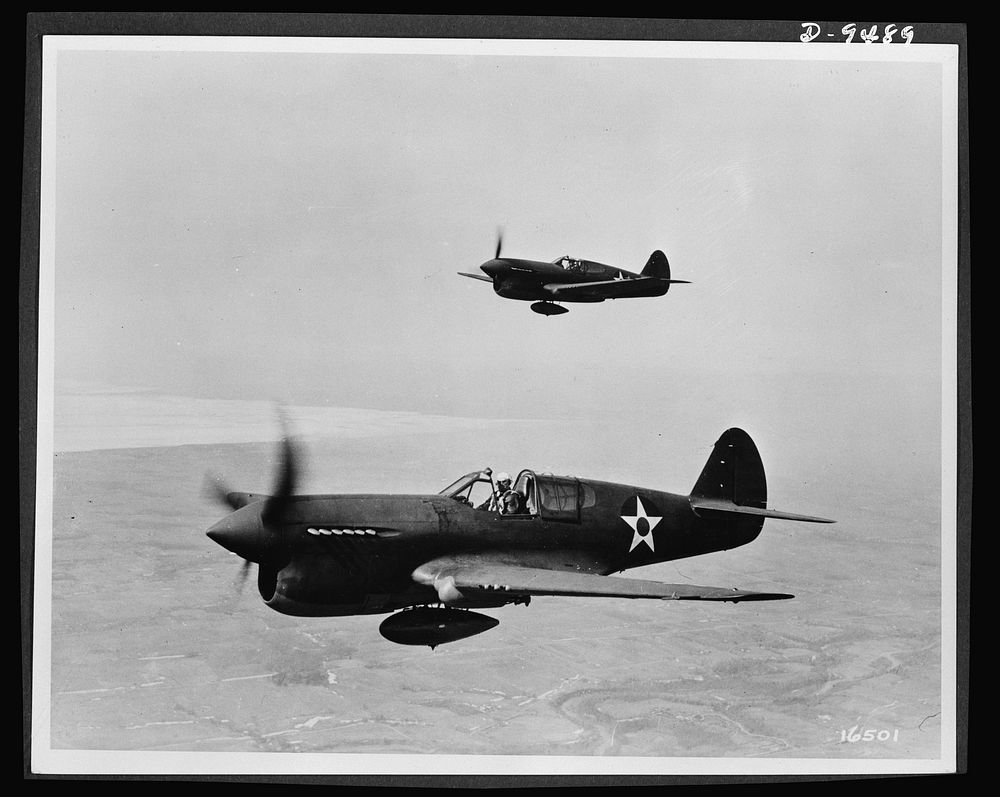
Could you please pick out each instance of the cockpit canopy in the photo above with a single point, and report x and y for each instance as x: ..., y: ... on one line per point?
x: 551, y: 497
x: 568, y: 263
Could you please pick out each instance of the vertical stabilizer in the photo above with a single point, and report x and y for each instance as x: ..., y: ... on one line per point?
x: 734, y: 472
x: 657, y: 266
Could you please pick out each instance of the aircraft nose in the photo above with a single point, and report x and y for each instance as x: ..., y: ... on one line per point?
x: 491, y: 267
x: 241, y: 532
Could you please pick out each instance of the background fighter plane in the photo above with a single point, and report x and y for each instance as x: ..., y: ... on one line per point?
x: 569, y: 280
x: 335, y: 555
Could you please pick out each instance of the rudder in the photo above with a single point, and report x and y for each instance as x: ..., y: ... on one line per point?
x: 734, y: 472
x: 657, y: 266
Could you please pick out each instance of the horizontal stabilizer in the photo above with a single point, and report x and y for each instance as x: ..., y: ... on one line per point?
x: 474, y: 276
x: 708, y: 505
x: 458, y: 577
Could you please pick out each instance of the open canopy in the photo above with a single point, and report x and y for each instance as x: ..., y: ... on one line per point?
x: 551, y: 497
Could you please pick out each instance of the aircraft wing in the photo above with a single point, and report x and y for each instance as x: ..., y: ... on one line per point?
x: 609, y: 289
x: 482, y: 277
x: 455, y: 577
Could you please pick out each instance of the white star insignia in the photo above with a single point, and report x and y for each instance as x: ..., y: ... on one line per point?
x: 633, y: 521
x: 619, y: 277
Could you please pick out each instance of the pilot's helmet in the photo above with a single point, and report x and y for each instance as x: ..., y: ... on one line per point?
x: 503, y: 478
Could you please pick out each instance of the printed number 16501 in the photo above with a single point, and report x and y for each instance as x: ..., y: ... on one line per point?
x: 869, y: 735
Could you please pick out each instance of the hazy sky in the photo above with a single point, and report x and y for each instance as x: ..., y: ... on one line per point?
x: 288, y: 226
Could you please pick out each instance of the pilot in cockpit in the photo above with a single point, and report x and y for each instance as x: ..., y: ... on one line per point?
x: 504, y: 499
x: 512, y: 503
x: 495, y: 502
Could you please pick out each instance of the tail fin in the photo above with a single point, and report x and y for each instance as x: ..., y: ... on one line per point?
x: 657, y: 266
x: 734, y: 472
x: 732, y: 484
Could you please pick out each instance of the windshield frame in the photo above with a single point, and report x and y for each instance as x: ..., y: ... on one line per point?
x: 462, y: 482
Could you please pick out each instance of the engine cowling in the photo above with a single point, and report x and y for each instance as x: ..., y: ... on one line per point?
x: 512, y: 287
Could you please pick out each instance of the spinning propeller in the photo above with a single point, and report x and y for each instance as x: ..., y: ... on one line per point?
x: 214, y: 490
x: 490, y: 267
x: 253, y: 528
x: 241, y: 579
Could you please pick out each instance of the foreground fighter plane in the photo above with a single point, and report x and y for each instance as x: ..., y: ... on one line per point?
x: 438, y: 556
x: 567, y: 279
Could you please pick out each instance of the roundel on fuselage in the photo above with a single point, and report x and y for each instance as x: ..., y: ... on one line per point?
x: 642, y: 516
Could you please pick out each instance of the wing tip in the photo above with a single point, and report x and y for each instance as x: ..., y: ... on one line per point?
x: 756, y: 596
x: 736, y: 595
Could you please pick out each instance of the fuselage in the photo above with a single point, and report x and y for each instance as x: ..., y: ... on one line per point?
x: 355, y: 554
x: 533, y: 280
